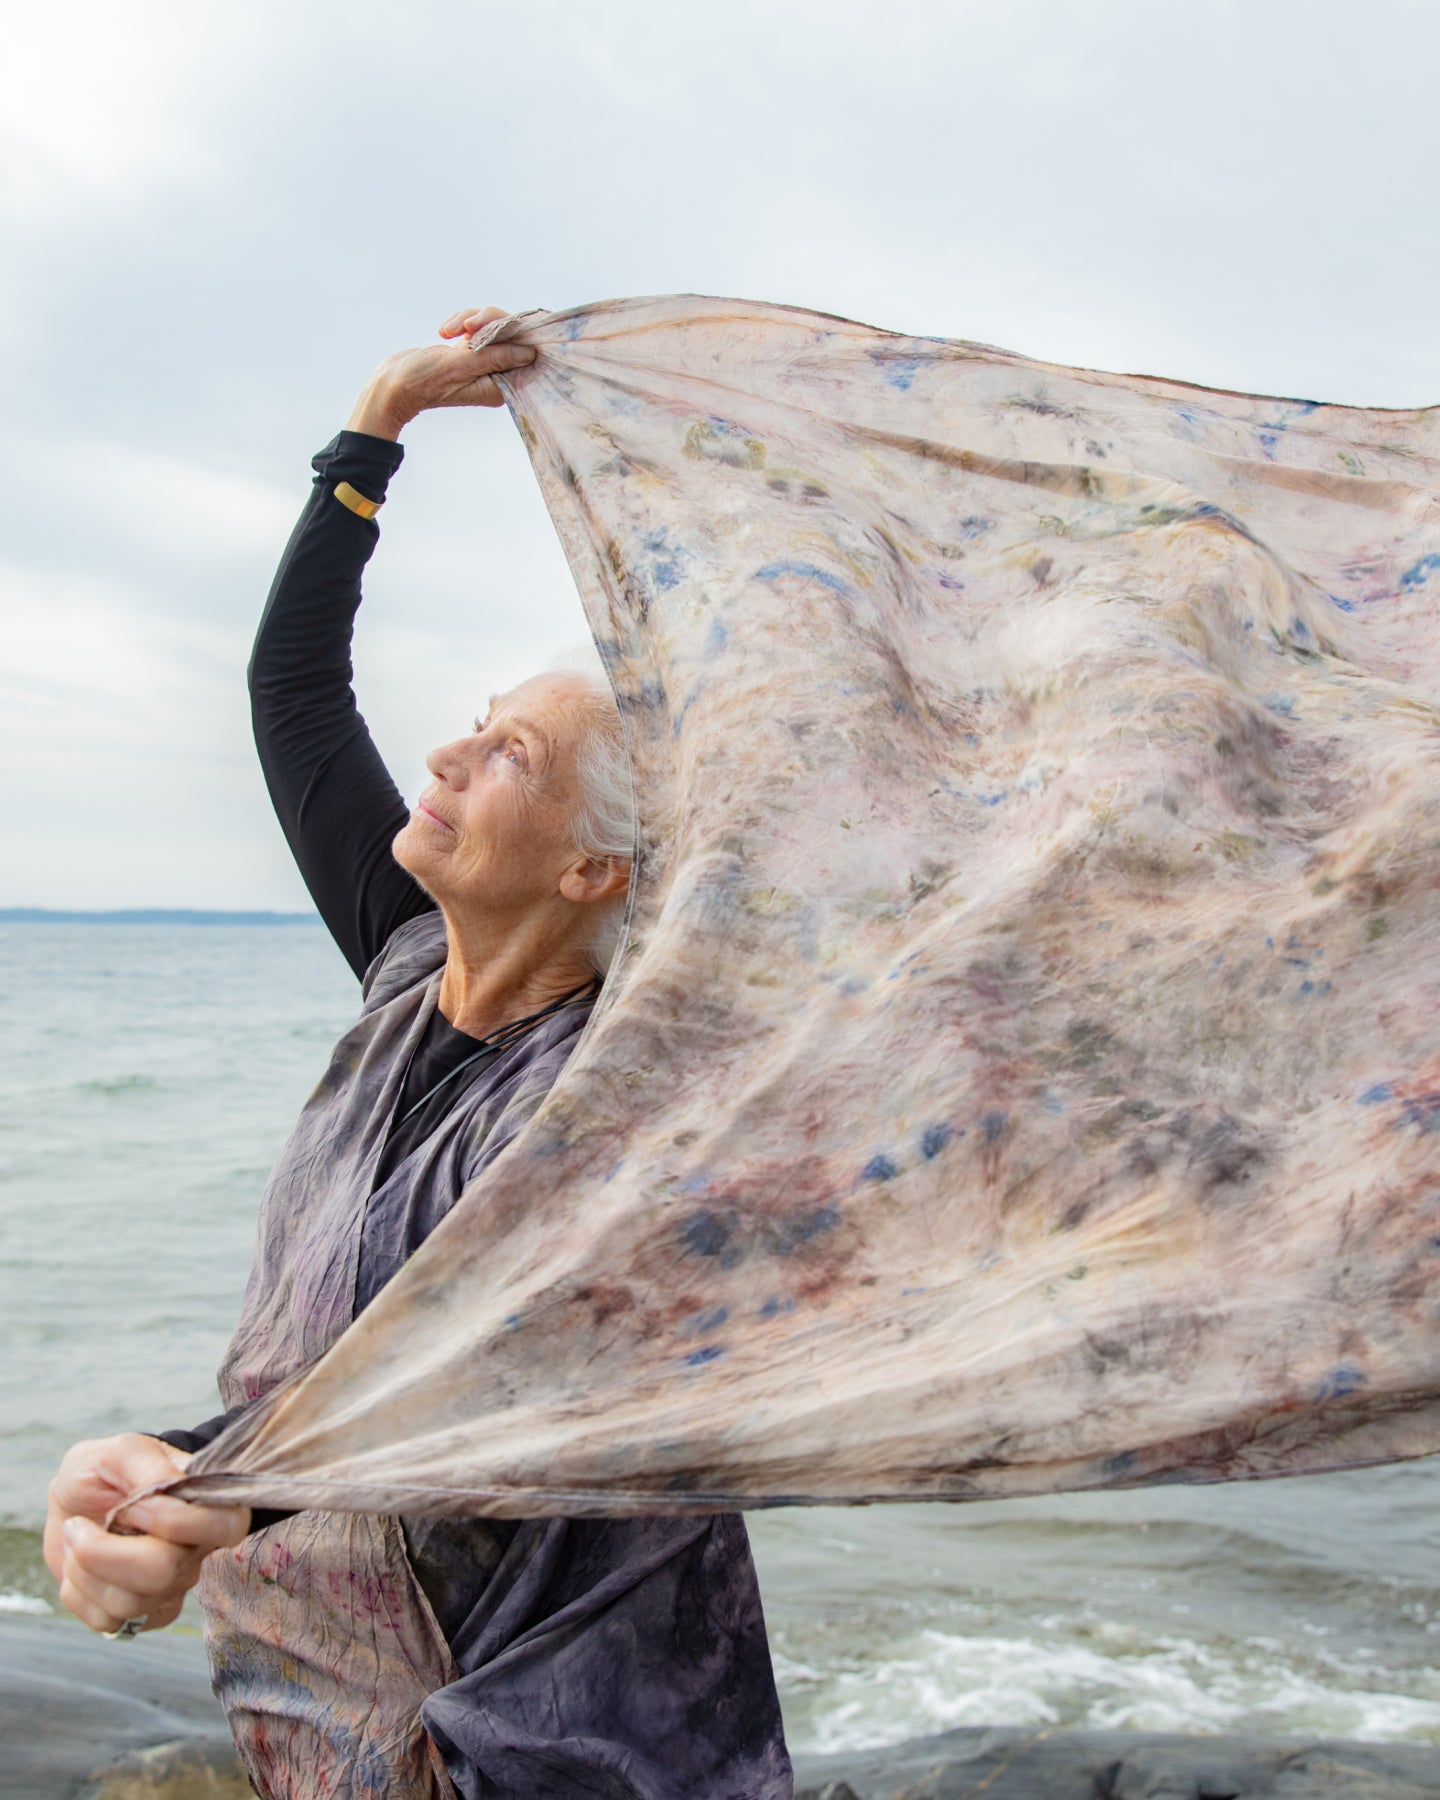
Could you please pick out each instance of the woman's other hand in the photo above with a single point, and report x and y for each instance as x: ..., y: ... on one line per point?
x: 106, y: 1578
x: 449, y: 374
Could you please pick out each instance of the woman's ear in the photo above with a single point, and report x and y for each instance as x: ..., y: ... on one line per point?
x: 591, y: 878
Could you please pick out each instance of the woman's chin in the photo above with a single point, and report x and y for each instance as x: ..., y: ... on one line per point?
x: 414, y: 848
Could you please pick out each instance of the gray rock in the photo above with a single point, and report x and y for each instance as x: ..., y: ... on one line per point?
x: 83, y: 1719
x: 1115, y: 1765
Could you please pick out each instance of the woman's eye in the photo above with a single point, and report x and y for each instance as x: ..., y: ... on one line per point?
x: 515, y: 756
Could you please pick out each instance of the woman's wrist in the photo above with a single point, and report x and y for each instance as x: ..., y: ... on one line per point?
x: 377, y: 414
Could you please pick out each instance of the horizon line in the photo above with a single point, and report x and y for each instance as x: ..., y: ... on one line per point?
x: 153, y: 915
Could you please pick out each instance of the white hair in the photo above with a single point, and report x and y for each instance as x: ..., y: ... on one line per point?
x: 603, y: 823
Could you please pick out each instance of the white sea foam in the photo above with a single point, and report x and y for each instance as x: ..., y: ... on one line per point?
x: 12, y: 1602
x: 941, y: 1681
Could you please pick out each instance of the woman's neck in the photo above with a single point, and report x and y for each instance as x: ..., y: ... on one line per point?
x: 480, y: 992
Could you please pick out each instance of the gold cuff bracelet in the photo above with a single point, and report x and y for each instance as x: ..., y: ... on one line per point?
x: 356, y: 501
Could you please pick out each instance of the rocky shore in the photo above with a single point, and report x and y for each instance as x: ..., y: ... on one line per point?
x: 1121, y: 1765
x: 82, y: 1719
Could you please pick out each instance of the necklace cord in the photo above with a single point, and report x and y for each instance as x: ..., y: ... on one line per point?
x: 497, y: 1040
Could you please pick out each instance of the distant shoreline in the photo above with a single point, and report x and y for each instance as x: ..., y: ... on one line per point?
x: 150, y: 915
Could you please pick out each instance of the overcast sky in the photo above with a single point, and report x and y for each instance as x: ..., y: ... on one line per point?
x: 217, y: 219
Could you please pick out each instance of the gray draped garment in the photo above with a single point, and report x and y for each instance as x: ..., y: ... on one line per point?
x: 617, y: 1658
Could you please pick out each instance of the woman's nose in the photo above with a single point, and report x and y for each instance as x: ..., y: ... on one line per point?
x: 448, y: 763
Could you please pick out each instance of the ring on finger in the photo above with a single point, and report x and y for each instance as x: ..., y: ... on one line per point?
x: 131, y: 1628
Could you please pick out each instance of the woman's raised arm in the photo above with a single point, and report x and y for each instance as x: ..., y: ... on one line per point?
x: 335, y: 799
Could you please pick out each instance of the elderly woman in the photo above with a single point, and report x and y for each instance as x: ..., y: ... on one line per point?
x: 405, y: 1657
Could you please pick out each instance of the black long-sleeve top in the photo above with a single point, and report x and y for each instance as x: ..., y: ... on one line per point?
x: 334, y: 797
x: 336, y: 801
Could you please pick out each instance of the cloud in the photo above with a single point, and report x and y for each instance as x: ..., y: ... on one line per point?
x: 104, y: 104
x: 146, y: 507
x: 128, y: 768
x: 219, y: 219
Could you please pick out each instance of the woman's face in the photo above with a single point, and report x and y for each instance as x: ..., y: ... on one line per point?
x: 491, y: 832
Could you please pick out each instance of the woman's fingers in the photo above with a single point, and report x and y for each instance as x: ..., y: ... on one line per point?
x: 104, y: 1607
x: 91, y: 1612
x: 107, y: 1579
x: 470, y: 319
x: 140, y: 1565
x: 434, y: 375
x: 496, y: 359
x: 100, y: 1472
x: 453, y: 375
x: 203, y: 1528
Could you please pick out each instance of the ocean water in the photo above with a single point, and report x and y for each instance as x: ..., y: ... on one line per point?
x: 148, y: 1075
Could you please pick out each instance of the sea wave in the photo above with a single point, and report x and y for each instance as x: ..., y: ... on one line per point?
x: 12, y: 1602
x: 939, y: 1681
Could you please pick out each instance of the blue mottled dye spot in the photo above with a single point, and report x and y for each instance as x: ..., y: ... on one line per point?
x: 717, y: 640
x: 1420, y: 572
x: 1373, y: 1096
x: 992, y: 799
x: 706, y: 1233
x: 897, y: 371
x: 511, y: 1321
x: 710, y: 1321
x: 668, y: 566
x: 953, y: 582
x: 1344, y: 605
x: 787, y: 1235
x: 1423, y: 1111
x: 935, y: 1139
x: 992, y: 1124
x: 679, y: 725
x: 1346, y: 1379
x: 776, y: 1305
x: 906, y: 1292
x: 708, y: 1354
x: 808, y: 571
x: 879, y: 1168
